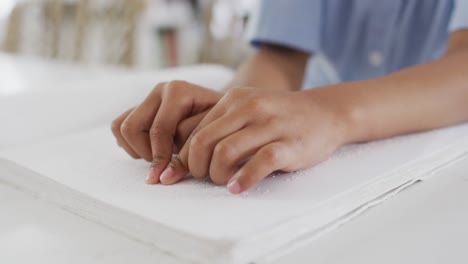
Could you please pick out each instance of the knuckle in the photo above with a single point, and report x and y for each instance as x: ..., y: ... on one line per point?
x: 115, y: 127
x: 272, y: 154
x: 177, y: 83
x: 224, y: 153
x: 127, y: 128
x: 156, y: 132
x: 175, y: 86
x: 157, y: 159
x: 258, y: 105
x: 177, y: 90
x: 274, y: 123
x: 199, y: 140
x: 159, y: 87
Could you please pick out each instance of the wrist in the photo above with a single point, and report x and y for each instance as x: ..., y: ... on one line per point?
x: 342, y: 103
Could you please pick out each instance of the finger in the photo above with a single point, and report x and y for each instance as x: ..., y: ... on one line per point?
x: 185, y: 128
x: 174, y: 172
x: 268, y: 159
x: 116, y: 125
x: 175, y: 106
x: 180, y: 168
x: 230, y: 152
x: 204, y: 142
x: 167, y: 119
x: 135, y: 127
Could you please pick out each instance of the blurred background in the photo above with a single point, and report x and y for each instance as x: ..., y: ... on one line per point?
x: 148, y: 34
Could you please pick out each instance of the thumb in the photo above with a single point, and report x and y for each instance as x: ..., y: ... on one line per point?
x: 174, y: 172
x: 185, y: 129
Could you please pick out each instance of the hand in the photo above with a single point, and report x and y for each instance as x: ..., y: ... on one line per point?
x: 251, y: 133
x: 162, y: 122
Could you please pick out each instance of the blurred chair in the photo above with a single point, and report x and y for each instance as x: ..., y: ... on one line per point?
x: 119, y: 20
x: 12, y: 36
x: 228, y: 48
x: 106, y: 31
x: 65, y: 28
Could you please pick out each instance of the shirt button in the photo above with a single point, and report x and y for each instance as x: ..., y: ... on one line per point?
x: 376, y: 58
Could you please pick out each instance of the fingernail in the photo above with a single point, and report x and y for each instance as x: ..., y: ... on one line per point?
x: 168, y: 175
x: 234, y: 186
x: 152, y: 177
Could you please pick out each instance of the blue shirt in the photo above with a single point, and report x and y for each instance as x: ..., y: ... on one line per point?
x: 359, y: 39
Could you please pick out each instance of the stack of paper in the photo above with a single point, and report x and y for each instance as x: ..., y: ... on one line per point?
x: 85, y: 172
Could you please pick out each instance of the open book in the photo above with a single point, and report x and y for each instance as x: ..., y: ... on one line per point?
x: 58, y: 146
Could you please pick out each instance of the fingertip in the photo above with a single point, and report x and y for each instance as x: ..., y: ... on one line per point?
x: 167, y: 176
x: 171, y: 176
x: 153, y: 176
x: 234, y: 187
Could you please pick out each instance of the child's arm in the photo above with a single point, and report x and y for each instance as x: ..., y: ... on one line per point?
x: 287, y: 131
x: 418, y: 98
x: 272, y: 67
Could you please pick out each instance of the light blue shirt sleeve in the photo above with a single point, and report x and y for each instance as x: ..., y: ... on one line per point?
x: 460, y: 16
x: 292, y: 23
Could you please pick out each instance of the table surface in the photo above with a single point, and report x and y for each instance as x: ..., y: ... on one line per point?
x: 426, y: 223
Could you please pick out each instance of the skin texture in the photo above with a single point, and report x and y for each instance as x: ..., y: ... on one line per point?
x: 161, y: 124
x: 264, y: 123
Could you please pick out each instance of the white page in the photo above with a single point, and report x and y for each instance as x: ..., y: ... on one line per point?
x: 57, y: 107
x: 196, y: 220
x: 91, y: 163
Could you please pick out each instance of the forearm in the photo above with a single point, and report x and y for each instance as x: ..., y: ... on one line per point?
x: 272, y: 67
x: 419, y: 98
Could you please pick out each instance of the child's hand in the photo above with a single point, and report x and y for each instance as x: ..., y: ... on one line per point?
x: 164, y: 119
x: 271, y: 130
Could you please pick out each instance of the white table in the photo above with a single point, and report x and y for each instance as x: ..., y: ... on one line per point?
x: 426, y: 223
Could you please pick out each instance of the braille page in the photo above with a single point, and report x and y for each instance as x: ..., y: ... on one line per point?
x: 199, y: 221
x: 67, y: 107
